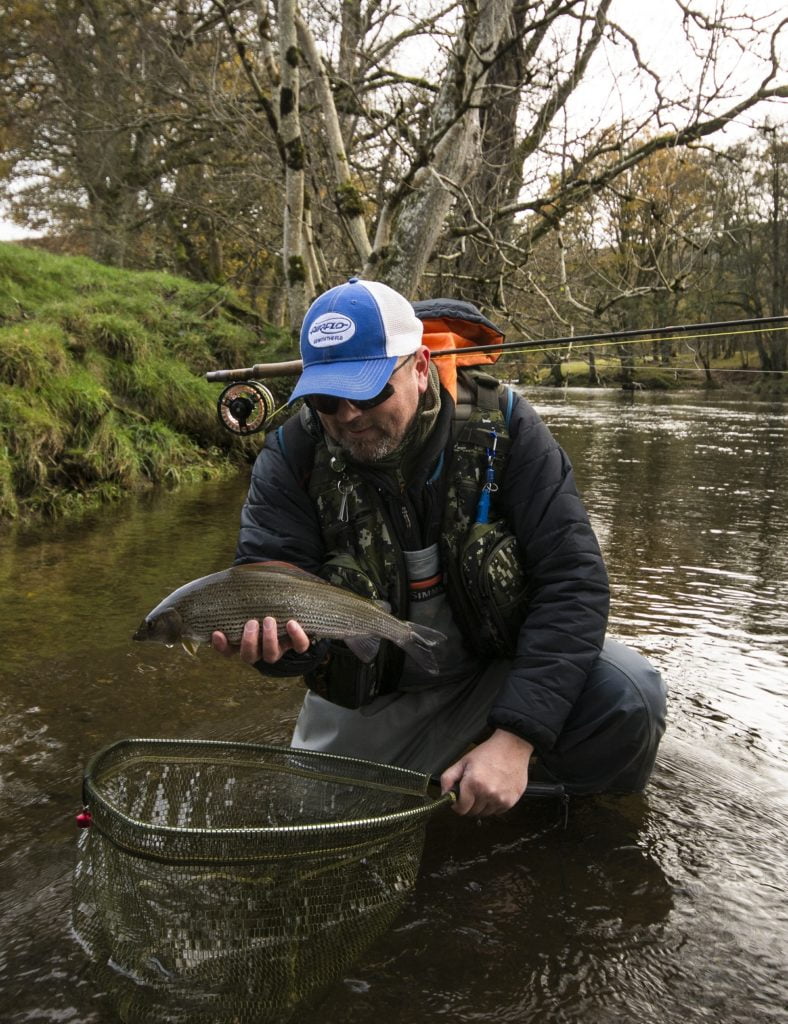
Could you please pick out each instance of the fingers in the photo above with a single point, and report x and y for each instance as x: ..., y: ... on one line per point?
x: 451, y: 777
x: 249, y: 648
x: 299, y: 641
x: 492, y: 776
x: 261, y: 641
x: 472, y: 798
x: 476, y: 800
x: 220, y: 643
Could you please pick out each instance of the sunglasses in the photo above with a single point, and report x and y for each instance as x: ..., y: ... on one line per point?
x: 329, y: 404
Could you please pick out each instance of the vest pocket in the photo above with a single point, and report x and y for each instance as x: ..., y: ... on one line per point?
x: 494, y: 580
x: 341, y: 678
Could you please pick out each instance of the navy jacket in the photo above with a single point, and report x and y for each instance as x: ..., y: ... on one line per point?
x: 564, y: 627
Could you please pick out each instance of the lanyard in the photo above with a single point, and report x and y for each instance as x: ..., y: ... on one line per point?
x: 489, y: 485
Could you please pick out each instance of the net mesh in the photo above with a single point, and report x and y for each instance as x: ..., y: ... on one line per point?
x: 226, y: 882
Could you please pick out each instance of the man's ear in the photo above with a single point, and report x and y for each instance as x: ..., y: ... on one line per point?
x: 422, y: 363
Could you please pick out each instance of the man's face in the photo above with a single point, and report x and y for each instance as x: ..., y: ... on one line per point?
x: 371, y: 434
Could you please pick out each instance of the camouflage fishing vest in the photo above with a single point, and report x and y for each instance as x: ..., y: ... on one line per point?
x: 485, y: 583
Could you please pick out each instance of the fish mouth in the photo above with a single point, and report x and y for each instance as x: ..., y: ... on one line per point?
x: 141, y: 633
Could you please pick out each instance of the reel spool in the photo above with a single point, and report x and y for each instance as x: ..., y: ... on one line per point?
x: 244, y: 408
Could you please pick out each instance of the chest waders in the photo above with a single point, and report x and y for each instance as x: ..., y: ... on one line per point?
x: 484, y: 580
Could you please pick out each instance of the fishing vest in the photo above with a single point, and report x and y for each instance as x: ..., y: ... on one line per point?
x: 483, y: 575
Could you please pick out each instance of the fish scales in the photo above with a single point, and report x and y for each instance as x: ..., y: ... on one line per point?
x: 226, y: 600
x: 227, y: 608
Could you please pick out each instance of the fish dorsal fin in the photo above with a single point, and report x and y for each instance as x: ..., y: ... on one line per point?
x: 280, y: 568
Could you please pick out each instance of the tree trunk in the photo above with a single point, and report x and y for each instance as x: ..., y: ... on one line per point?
x: 420, y: 216
x: 296, y: 269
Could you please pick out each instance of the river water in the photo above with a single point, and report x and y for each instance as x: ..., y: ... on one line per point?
x: 668, y: 907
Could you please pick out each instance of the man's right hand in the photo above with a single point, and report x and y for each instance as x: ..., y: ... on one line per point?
x: 263, y: 642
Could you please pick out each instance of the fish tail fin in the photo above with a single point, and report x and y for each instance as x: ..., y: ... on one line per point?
x: 419, y: 644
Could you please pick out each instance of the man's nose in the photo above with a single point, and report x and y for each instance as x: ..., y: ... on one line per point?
x: 346, y: 412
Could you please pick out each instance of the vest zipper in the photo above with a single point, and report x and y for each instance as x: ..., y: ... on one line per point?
x: 403, y: 598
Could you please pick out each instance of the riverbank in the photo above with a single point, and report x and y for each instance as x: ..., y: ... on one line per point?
x: 683, y: 375
x: 102, y: 391
x: 102, y: 388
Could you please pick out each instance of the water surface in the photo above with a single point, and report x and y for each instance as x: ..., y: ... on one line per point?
x: 668, y: 907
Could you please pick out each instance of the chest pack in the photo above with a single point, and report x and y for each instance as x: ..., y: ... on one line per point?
x: 482, y: 571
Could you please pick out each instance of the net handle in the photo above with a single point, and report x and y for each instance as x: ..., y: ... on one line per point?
x: 534, y: 790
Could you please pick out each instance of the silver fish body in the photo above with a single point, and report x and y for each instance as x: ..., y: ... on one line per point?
x: 226, y: 600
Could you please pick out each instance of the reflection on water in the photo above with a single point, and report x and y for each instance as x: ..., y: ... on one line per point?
x: 666, y: 907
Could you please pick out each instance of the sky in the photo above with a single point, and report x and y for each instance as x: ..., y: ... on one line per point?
x: 607, y: 94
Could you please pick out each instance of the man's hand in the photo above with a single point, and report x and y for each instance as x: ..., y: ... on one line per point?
x: 492, y: 777
x: 263, y: 642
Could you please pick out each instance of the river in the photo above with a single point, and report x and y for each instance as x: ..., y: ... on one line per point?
x: 668, y: 907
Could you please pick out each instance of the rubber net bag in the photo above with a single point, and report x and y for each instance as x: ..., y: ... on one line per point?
x: 226, y: 882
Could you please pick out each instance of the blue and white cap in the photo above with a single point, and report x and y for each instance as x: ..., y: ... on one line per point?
x: 352, y: 337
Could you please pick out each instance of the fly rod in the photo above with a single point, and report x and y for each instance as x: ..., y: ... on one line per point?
x: 294, y: 366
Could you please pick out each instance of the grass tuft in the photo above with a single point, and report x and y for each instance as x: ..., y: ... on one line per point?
x: 102, y: 388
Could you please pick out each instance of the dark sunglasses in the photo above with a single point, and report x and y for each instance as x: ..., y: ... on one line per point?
x: 328, y: 404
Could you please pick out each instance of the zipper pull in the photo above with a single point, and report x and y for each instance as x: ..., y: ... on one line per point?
x: 344, y: 488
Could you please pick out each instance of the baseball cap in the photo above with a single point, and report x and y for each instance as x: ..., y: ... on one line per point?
x: 352, y: 337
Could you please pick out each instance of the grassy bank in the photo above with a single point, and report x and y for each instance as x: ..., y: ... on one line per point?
x: 101, y: 386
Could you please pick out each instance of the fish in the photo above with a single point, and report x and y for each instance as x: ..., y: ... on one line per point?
x: 226, y: 600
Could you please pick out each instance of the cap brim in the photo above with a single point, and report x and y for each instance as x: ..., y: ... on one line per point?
x: 352, y: 378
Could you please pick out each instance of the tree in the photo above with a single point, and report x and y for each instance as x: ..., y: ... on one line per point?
x: 435, y: 145
x: 124, y: 123
x: 752, y: 237
x: 438, y: 152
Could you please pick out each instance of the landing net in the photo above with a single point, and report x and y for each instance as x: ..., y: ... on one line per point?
x: 226, y: 882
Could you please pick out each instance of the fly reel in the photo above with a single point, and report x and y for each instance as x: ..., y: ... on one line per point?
x: 246, y: 407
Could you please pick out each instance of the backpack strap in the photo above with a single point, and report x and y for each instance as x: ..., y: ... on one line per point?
x: 296, y: 441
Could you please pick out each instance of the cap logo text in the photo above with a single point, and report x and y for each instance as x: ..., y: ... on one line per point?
x: 330, y: 329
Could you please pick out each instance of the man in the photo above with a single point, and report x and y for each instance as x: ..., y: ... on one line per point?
x: 373, y: 485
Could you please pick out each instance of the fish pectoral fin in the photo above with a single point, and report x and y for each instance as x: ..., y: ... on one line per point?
x: 190, y: 645
x: 365, y: 648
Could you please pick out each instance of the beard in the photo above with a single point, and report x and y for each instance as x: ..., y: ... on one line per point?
x: 380, y: 443
x: 369, y: 449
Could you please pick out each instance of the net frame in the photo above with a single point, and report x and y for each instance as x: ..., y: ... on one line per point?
x: 240, y: 909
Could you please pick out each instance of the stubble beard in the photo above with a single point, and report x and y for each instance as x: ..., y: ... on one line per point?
x: 370, y: 451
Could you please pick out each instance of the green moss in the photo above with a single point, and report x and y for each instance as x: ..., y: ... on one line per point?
x: 168, y: 390
x: 228, y: 344
x: 102, y: 388
x: 349, y: 201
x: 295, y: 270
